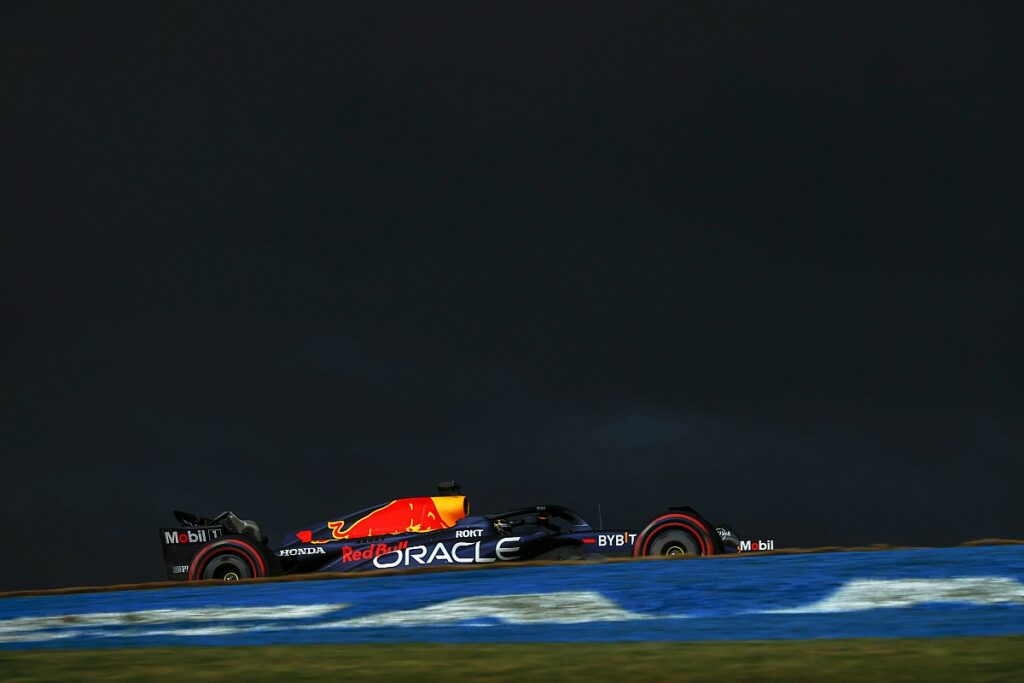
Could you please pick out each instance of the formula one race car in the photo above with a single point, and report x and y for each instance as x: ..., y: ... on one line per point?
x: 425, y: 531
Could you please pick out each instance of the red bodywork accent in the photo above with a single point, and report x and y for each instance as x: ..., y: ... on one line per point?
x: 397, y: 517
x: 304, y: 536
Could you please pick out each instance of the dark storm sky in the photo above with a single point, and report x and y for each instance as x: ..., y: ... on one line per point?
x: 292, y: 261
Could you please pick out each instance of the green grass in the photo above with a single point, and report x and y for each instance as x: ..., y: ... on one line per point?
x: 931, y: 659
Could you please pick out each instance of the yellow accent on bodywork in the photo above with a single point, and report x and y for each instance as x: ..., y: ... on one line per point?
x: 451, y: 508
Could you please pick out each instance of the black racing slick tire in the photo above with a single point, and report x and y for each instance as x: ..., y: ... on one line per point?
x: 227, y: 567
x: 676, y: 534
x: 674, y: 543
x: 231, y: 559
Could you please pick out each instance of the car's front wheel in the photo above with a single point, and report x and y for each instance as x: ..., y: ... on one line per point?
x: 674, y: 543
x: 680, y: 532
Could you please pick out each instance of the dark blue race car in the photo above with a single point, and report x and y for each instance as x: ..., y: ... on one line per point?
x: 422, y: 532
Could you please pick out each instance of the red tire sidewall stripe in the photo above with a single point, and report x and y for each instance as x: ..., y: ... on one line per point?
x: 224, y: 546
x: 677, y: 515
x: 228, y: 551
x: 685, y: 527
x: 673, y: 515
x: 208, y: 554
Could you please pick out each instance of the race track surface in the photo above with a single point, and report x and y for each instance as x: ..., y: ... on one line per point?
x: 965, y: 591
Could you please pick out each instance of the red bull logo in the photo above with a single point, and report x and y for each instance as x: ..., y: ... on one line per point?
x: 403, y: 516
x: 349, y: 554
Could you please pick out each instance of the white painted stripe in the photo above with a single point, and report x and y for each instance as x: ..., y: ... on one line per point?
x: 529, y: 608
x: 164, y: 616
x: 865, y: 594
x: 38, y: 636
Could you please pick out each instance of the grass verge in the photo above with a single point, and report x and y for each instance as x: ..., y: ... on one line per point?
x: 877, y: 659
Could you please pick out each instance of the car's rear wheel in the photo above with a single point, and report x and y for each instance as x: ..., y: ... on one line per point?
x: 227, y: 567
x: 232, y: 559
